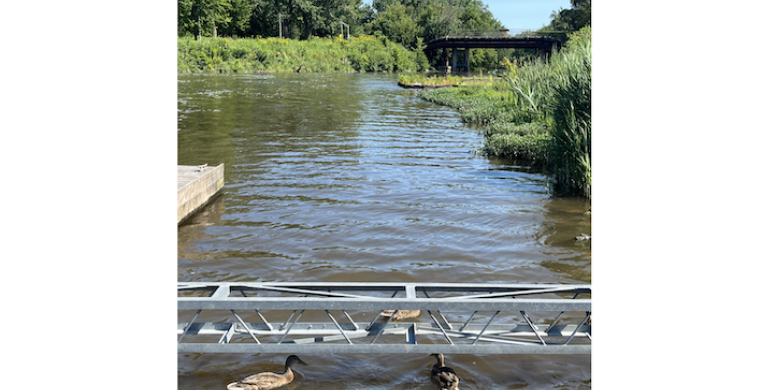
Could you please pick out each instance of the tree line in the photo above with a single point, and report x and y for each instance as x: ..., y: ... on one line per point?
x: 408, y: 22
x: 401, y: 20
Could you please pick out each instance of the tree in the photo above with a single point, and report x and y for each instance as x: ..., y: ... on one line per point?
x: 208, y: 17
x: 438, y: 20
x: 300, y: 19
x: 434, y: 18
x: 397, y: 24
x: 573, y: 19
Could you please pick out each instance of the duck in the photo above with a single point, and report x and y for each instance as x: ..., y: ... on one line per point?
x: 582, y: 237
x: 401, y: 314
x: 442, y: 377
x: 268, y: 380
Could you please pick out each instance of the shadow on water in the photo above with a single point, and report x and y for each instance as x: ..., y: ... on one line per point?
x: 347, y: 177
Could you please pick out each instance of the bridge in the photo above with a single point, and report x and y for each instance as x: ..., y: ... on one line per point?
x: 462, y: 43
x: 451, y: 318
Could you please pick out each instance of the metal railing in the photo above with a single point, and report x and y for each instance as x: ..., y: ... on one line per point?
x: 505, y: 33
x: 480, y: 34
x: 452, y: 318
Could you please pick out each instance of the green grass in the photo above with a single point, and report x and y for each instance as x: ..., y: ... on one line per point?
x: 246, y: 55
x: 538, y: 114
x: 429, y: 81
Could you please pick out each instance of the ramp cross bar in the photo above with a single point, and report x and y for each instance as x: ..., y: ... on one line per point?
x: 559, y: 322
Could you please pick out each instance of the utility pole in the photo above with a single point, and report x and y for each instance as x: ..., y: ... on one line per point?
x: 280, y: 26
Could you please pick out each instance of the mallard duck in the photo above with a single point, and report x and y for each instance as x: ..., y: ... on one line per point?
x: 443, y: 378
x: 268, y: 380
x: 401, y: 314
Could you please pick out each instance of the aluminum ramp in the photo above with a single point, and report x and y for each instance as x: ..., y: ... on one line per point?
x: 455, y: 318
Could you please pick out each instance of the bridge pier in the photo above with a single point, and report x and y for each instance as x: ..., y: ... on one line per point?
x: 466, y: 62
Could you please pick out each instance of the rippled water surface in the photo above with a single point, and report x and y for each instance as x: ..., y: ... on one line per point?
x: 347, y: 177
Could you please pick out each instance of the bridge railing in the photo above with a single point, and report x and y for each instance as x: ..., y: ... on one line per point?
x: 480, y: 34
x: 503, y: 34
x: 355, y: 318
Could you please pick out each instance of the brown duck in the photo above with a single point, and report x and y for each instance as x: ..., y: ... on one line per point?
x: 443, y: 378
x: 268, y: 380
x: 401, y: 314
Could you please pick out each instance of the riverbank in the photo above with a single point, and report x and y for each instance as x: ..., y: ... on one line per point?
x: 242, y: 55
x: 538, y: 114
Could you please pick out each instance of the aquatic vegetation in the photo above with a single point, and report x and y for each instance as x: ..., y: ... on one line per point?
x: 436, y: 81
x: 241, y: 55
x: 570, y: 108
x: 409, y: 80
x: 480, y: 104
x: 538, y: 114
x: 531, y: 148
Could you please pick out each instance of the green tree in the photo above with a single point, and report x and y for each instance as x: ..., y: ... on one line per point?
x: 396, y: 23
x: 573, y: 19
x: 434, y: 18
x: 438, y: 20
x: 333, y: 12
x: 210, y: 17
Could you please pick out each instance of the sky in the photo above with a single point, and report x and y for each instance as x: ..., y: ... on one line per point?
x: 520, y: 15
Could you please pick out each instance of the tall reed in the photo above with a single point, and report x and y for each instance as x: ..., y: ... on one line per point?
x: 570, y: 108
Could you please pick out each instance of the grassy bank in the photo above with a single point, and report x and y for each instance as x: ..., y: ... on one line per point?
x: 356, y: 54
x: 538, y: 114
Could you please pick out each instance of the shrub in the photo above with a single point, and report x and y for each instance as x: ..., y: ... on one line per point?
x: 362, y: 54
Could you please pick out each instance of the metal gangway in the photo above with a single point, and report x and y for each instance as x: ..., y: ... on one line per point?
x: 452, y: 318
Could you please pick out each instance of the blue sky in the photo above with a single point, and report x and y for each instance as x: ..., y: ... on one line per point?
x: 518, y: 15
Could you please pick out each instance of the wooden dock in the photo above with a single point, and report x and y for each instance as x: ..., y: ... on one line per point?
x: 196, y: 186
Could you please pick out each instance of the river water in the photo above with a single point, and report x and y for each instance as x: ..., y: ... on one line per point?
x: 348, y: 177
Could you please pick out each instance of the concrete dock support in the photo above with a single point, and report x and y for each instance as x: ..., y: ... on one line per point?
x: 196, y: 186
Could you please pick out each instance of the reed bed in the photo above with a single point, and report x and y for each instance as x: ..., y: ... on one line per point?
x: 538, y: 114
x: 246, y: 55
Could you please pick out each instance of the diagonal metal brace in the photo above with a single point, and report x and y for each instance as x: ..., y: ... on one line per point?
x: 245, y: 327
x: 338, y: 327
x: 531, y: 325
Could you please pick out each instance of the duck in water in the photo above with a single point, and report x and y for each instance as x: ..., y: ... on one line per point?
x: 268, y: 380
x: 443, y: 378
x: 401, y: 314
